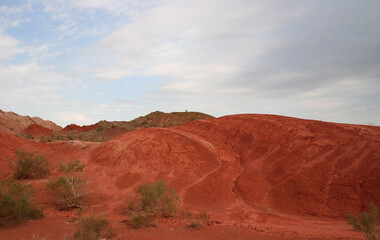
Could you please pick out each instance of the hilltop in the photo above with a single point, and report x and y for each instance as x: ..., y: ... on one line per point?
x: 105, y: 130
x: 47, y: 131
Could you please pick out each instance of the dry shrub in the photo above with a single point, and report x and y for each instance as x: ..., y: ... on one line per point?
x: 367, y: 223
x: 93, y: 228
x: 70, y: 189
x: 201, y: 220
x: 141, y: 220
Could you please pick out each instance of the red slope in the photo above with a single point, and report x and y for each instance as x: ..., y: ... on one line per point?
x: 76, y: 128
x: 53, y: 151
x: 38, y: 130
x: 247, y: 162
x: 233, y: 167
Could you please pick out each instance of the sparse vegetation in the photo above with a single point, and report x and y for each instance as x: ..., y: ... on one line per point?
x: 154, y: 200
x: 93, y: 228
x: 367, y: 224
x: 70, y: 189
x: 158, y: 199
x: 57, y: 137
x: 263, y: 208
x: 201, y: 220
x: 186, y: 214
x: 42, y: 139
x: 29, y: 165
x: 141, y: 220
x: 28, y: 136
x: 16, y: 203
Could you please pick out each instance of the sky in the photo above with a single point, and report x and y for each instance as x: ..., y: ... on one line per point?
x: 73, y: 61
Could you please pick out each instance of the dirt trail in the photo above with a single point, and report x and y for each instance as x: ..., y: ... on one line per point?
x: 207, y: 145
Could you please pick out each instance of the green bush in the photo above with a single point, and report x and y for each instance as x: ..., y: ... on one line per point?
x: 30, y: 165
x: 158, y: 199
x: 367, y: 224
x: 154, y: 200
x: 93, y: 228
x: 70, y: 189
x: 16, y: 203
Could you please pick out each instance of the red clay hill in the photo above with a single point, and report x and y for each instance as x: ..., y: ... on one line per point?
x: 258, y: 176
x: 13, y: 123
x: 77, y: 128
x: 38, y: 130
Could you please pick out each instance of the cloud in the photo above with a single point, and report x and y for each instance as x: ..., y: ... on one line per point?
x: 31, y: 88
x: 314, y: 59
x: 12, y: 16
x: 67, y: 117
x: 62, y: 9
x: 8, y: 46
x: 299, y: 53
x: 193, y: 35
x: 29, y: 74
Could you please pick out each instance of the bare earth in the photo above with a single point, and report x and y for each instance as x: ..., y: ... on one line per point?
x: 258, y: 176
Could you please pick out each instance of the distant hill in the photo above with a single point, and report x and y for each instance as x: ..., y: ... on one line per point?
x: 47, y: 131
x: 105, y: 130
x: 157, y: 119
x: 13, y: 123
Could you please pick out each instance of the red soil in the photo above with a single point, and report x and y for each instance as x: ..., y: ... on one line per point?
x: 38, y: 130
x: 76, y: 128
x: 286, y: 165
x: 258, y: 176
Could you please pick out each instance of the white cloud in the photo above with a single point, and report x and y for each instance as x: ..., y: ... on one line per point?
x: 300, y: 58
x: 248, y: 51
x: 12, y: 16
x: 15, y: 23
x: 61, y: 9
x: 31, y: 88
x: 8, y: 46
x: 29, y: 74
x: 191, y: 35
x: 66, y: 118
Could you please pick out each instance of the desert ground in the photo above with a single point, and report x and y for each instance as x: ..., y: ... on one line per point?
x: 257, y: 176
